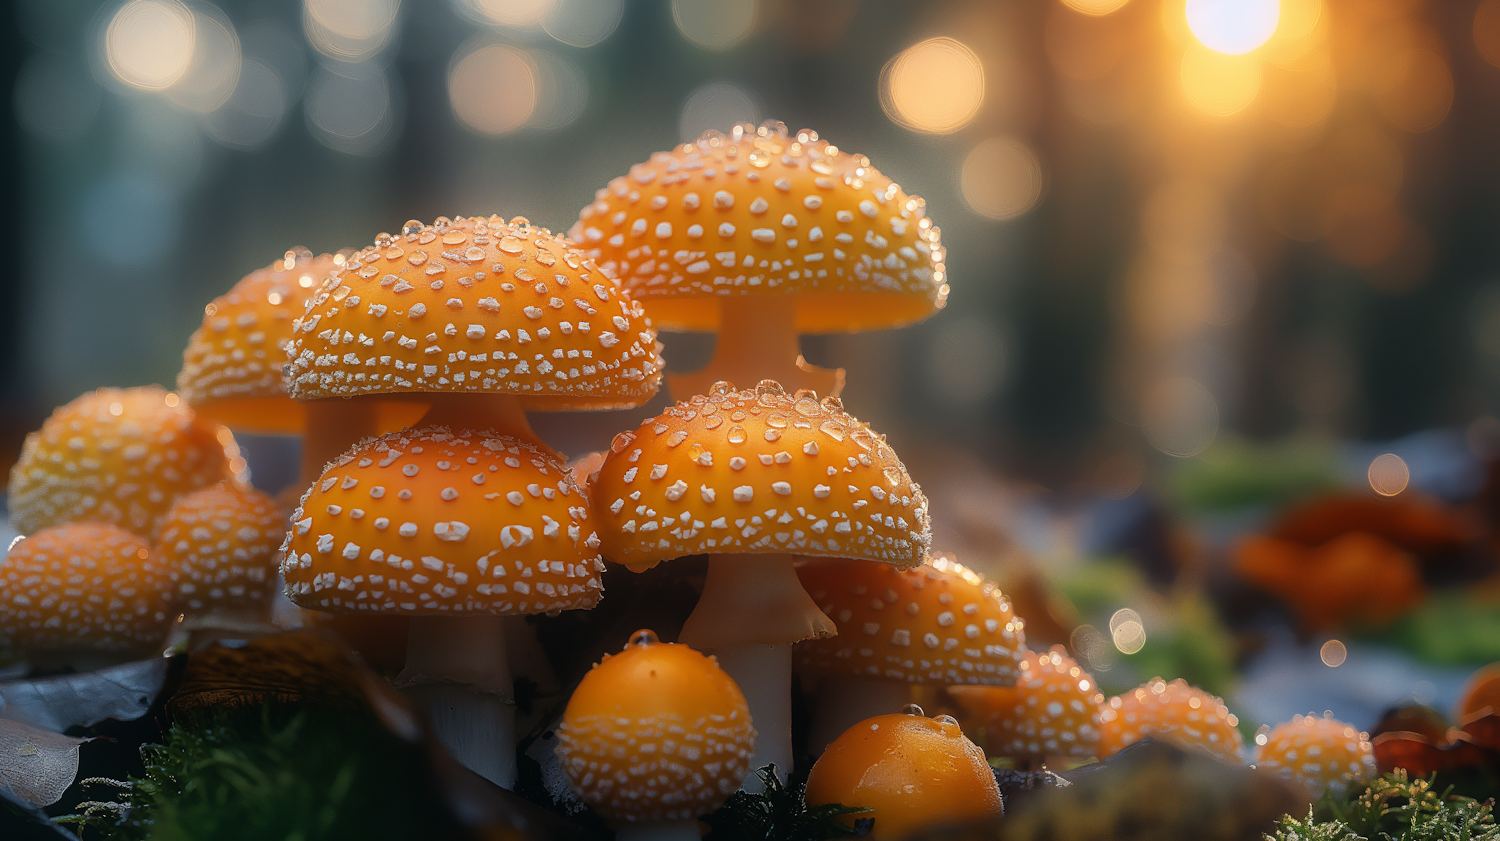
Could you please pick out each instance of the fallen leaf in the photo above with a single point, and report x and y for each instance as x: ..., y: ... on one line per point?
x: 123, y: 692
x: 36, y: 765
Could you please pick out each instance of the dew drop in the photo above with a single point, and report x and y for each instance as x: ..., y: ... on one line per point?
x: 808, y: 407
x: 778, y: 421
x: 511, y: 245
x: 912, y: 709
x: 736, y: 435
x: 412, y: 226
x: 455, y: 237
x: 644, y: 637
x: 892, y: 475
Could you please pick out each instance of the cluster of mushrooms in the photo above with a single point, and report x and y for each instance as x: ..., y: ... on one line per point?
x: 410, y: 369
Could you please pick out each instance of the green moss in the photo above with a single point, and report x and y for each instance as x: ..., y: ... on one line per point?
x: 1393, y: 808
x: 779, y: 814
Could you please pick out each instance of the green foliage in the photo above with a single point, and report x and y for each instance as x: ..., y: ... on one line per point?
x: 270, y: 772
x: 1454, y: 628
x: 1235, y: 474
x: 779, y: 814
x: 1393, y: 808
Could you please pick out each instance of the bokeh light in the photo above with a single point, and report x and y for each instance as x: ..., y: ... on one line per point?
x: 716, y: 105
x: 562, y: 91
x: 583, y: 23
x: 351, y: 108
x: 935, y: 87
x: 512, y: 13
x: 1180, y: 417
x: 1388, y: 474
x: 1083, y: 47
x: 715, y: 24
x: 55, y: 98
x: 149, y: 43
x: 214, y: 71
x: 1295, y: 30
x: 1487, y: 31
x: 1219, y: 84
x: 1333, y: 654
x: 349, y: 30
x: 1301, y: 94
x: 967, y: 361
x: 1094, y: 7
x: 1233, y: 27
x: 1001, y: 178
x: 1127, y: 631
x: 493, y: 88
x: 254, y: 112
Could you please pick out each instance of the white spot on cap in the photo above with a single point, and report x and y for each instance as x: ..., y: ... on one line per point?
x: 744, y: 493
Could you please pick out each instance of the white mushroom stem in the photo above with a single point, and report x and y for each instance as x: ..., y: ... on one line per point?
x: 684, y: 830
x: 752, y: 609
x: 843, y: 702
x: 457, y: 670
x: 757, y: 340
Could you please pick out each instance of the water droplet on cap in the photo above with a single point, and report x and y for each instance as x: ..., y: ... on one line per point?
x: 644, y: 637
x: 412, y: 226
x: 912, y: 709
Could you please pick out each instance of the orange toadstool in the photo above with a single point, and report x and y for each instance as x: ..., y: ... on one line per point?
x: 1052, y: 711
x: 654, y: 737
x: 912, y: 771
x: 83, y: 594
x: 762, y: 235
x: 118, y: 455
x: 754, y: 478
x: 1172, y: 712
x: 1312, y: 752
x: 456, y: 530
x: 939, y: 623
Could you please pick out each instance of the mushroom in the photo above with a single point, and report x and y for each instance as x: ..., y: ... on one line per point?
x: 118, y: 455
x: 457, y: 530
x: 914, y: 772
x: 939, y: 624
x: 219, y: 546
x: 654, y: 737
x: 84, y: 595
x: 1173, y: 712
x: 1480, y: 694
x: 481, y: 318
x: 1312, y: 752
x: 1051, y: 712
x: 232, y: 366
x: 760, y: 235
x: 754, y: 478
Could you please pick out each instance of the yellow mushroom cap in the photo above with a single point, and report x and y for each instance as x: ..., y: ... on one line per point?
x: 936, y: 623
x: 757, y: 471
x: 431, y: 521
x: 1312, y: 752
x: 84, y: 587
x: 914, y: 772
x: 1053, y: 710
x: 232, y: 367
x: 476, y: 305
x: 117, y: 455
x: 761, y: 212
x: 219, y: 545
x: 657, y: 732
x: 1173, y: 712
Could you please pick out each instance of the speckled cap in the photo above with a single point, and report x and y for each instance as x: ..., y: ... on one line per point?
x: 759, y: 211
x: 431, y: 521
x: 232, y: 367
x: 936, y: 623
x: 657, y: 732
x: 1170, y: 711
x: 1053, y: 710
x: 476, y: 305
x: 82, y: 587
x: 1312, y: 752
x: 757, y: 471
x: 118, y: 455
x: 219, y: 546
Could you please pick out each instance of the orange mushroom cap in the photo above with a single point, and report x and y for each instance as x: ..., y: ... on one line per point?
x: 219, y: 545
x: 1053, y: 710
x: 939, y: 622
x: 1312, y: 752
x: 657, y: 732
x: 913, y: 771
x: 118, y: 455
x: 232, y: 367
x: 475, y: 305
x: 1172, y: 712
x: 757, y: 471
x: 79, y: 587
x: 761, y: 212
x: 1481, y: 693
x: 431, y: 521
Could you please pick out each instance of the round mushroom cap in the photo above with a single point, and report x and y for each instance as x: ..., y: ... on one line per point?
x: 657, y: 732
x: 759, y: 211
x: 757, y: 471
x: 433, y: 521
x: 1053, y: 710
x: 118, y: 455
x: 915, y: 772
x: 84, y: 587
x: 1481, y: 694
x: 1313, y: 752
x: 476, y: 305
x: 232, y: 367
x: 220, y: 546
x: 936, y: 623
x: 1173, y: 712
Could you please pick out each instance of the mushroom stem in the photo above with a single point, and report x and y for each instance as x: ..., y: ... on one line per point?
x: 843, y: 702
x: 684, y: 830
x: 500, y: 413
x: 457, y: 670
x: 333, y: 425
x: 764, y: 675
x: 757, y: 341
